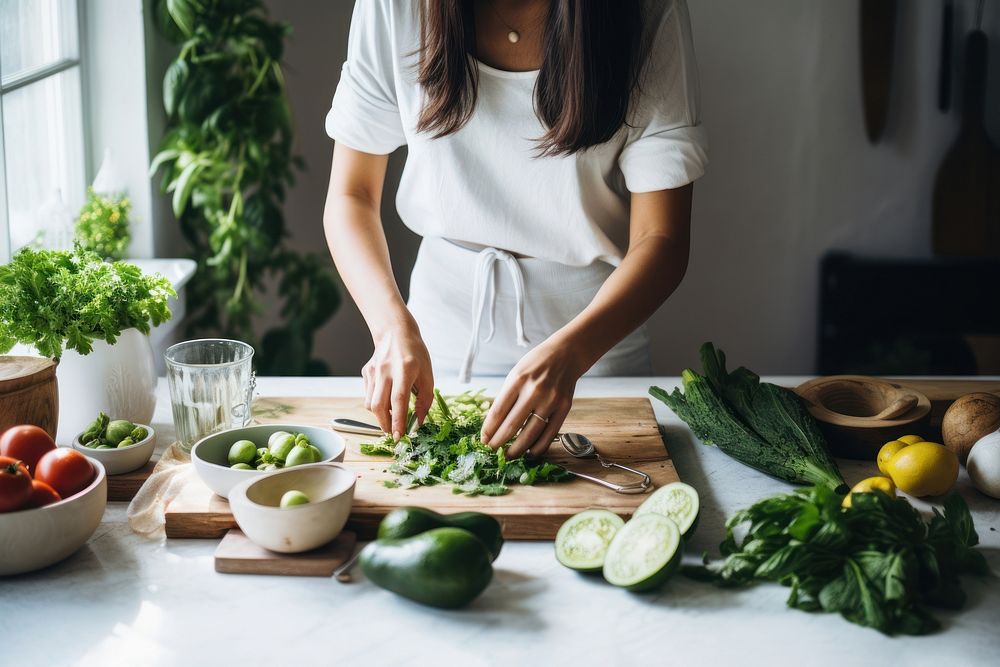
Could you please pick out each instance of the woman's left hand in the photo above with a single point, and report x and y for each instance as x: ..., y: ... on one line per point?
x: 535, y: 399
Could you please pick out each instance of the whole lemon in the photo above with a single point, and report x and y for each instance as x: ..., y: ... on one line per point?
x: 888, y: 450
x: 877, y: 483
x: 911, y: 439
x: 923, y: 469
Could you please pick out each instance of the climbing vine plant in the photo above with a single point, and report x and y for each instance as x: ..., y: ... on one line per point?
x: 226, y: 161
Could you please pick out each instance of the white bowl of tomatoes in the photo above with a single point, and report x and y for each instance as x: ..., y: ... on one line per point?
x: 51, y: 500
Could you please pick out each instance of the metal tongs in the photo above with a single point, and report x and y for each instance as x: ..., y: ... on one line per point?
x: 580, y: 446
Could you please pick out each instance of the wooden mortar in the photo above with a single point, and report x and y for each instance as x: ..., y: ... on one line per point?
x: 28, y: 393
x: 859, y: 414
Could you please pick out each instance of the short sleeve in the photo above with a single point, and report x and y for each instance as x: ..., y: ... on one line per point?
x: 365, y: 113
x: 666, y: 145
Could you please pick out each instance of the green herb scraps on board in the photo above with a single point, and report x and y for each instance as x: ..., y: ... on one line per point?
x: 757, y: 423
x: 446, y: 449
x: 103, y: 225
x: 877, y: 563
x: 56, y: 300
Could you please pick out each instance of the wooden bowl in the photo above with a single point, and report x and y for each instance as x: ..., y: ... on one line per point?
x: 859, y: 414
x: 28, y: 393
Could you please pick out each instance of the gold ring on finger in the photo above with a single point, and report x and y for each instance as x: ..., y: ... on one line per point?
x: 538, y: 416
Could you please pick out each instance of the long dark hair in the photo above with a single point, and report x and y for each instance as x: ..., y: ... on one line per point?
x: 584, y: 90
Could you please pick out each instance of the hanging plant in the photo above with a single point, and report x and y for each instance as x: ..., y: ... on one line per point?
x: 227, y: 161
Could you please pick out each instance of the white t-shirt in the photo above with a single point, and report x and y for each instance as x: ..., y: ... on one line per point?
x: 485, y: 184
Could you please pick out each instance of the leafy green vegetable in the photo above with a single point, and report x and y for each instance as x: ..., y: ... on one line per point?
x: 104, y: 432
x: 57, y: 300
x: 877, y: 563
x: 103, y: 225
x: 759, y: 424
x: 447, y: 450
x: 227, y: 162
x: 372, y: 449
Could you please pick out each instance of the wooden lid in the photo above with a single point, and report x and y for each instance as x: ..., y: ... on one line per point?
x: 16, y: 373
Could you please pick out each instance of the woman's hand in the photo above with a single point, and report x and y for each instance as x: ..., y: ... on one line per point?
x: 542, y: 382
x: 400, y: 365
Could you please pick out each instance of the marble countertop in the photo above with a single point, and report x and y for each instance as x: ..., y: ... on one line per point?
x: 125, y: 600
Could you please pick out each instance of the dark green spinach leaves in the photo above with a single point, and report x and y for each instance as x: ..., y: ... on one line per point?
x: 878, y: 563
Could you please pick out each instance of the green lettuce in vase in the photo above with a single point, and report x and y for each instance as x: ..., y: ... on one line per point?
x: 57, y: 300
x: 95, y: 318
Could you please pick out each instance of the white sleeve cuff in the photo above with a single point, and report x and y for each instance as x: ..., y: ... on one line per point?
x: 361, y: 122
x: 664, y: 160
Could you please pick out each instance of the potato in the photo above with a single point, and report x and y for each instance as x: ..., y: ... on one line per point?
x: 969, y: 419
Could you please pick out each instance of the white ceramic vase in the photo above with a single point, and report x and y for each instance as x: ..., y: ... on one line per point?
x: 119, y: 380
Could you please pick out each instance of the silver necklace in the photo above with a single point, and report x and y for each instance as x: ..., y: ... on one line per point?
x: 513, y: 36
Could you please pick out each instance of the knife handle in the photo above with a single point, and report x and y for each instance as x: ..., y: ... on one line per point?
x: 355, y: 426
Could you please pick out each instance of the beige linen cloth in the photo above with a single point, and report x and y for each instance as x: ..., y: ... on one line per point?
x: 146, y: 511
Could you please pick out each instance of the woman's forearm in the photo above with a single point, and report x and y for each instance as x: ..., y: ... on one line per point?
x: 652, y: 269
x: 400, y: 365
x: 357, y: 243
x: 543, y: 381
x: 648, y: 275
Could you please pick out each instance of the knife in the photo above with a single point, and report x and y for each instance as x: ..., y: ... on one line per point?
x: 354, y: 426
x: 362, y: 428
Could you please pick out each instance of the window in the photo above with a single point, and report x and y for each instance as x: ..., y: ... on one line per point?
x: 42, y: 146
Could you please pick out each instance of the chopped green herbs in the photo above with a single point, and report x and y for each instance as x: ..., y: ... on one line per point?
x: 877, y: 563
x: 447, y: 450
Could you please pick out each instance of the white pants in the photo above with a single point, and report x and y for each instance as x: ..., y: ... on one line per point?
x: 479, y: 312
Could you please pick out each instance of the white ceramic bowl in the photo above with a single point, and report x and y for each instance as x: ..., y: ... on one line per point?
x: 35, y: 538
x: 210, y: 455
x: 127, y: 459
x: 256, y: 506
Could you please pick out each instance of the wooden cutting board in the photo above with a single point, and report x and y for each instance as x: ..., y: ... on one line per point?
x: 124, y: 487
x: 236, y: 554
x: 623, y: 429
x: 942, y: 393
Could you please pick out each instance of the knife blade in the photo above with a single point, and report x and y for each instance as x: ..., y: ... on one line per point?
x: 354, y: 426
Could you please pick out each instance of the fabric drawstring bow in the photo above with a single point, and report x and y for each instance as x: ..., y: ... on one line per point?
x: 485, y: 298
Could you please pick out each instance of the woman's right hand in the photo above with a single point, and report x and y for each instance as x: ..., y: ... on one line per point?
x: 400, y: 365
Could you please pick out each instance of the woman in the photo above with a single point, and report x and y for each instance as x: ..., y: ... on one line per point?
x: 551, y: 149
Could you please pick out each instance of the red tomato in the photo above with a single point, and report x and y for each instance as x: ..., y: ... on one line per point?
x: 41, y: 495
x: 27, y: 444
x: 15, y: 484
x: 65, y: 470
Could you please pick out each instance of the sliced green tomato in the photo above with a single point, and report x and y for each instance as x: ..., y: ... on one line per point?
x: 644, y: 553
x: 583, y: 540
x: 677, y: 501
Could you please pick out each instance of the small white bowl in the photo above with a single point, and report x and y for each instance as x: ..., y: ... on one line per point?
x: 210, y: 455
x: 256, y: 507
x: 118, y: 461
x: 38, y: 537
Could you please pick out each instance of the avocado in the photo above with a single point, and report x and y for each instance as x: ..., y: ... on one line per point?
x: 410, y: 521
x: 443, y: 567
